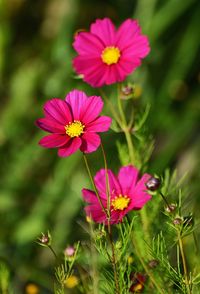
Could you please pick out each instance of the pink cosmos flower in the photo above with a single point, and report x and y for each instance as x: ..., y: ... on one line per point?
x: 107, y: 55
x: 73, y: 123
x: 128, y: 192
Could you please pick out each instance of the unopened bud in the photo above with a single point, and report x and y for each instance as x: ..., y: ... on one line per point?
x: 171, y: 207
x: 177, y: 221
x: 153, y: 184
x: 45, y: 240
x: 69, y: 251
x: 153, y: 263
x: 127, y: 90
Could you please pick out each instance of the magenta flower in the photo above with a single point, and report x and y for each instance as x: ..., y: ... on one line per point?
x: 128, y: 192
x: 73, y: 123
x: 106, y: 55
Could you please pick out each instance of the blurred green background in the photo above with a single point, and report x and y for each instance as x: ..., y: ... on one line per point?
x: 38, y: 190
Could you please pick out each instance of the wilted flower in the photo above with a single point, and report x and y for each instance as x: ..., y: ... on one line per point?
x: 107, y: 55
x: 138, y: 281
x: 127, y: 192
x: 73, y: 123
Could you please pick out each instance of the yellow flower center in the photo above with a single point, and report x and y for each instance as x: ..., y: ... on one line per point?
x: 120, y: 202
x: 74, y: 129
x: 110, y: 55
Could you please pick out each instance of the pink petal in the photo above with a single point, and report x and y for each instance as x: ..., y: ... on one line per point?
x: 50, y: 125
x: 128, y: 65
x: 89, y: 196
x: 139, y: 194
x: 100, y: 182
x: 105, y: 30
x: 101, y: 124
x: 58, y: 110
x: 54, y: 140
x: 86, y: 44
x: 90, y: 142
x: 91, y: 109
x: 92, y: 69
x: 126, y: 33
x: 139, y: 48
x: 96, y: 213
x: 71, y: 147
x: 128, y: 176
x: 76, y: 100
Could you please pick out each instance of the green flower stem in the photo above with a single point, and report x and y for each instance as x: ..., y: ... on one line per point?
x: 53, y: 251
x: 93, y: 184
x: 107, y: 182
x: 184, y: 263
x: 126, y: 129
x: 114, y: 263
x: 111, y: 106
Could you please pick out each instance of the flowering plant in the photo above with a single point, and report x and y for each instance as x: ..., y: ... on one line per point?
x: 126, y: 256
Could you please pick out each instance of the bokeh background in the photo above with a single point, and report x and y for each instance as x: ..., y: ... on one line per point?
x: 38, y: 190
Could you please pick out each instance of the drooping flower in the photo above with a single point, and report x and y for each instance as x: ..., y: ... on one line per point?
x: 127, y: 192
x: 73, y: 123
x: 107, y: 55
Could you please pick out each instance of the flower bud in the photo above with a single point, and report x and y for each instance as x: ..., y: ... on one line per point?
x: 153, y: 263
x: 127, y: 90
x: 171, y: 207
x: 153, y: 184
x: 45, y: 240
x: 69, y: 251
x: 177, y: 221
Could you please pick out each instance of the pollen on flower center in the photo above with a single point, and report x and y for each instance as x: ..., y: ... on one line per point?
x: 74, y: 129
x: 110, y: 55
x: 120, y: 202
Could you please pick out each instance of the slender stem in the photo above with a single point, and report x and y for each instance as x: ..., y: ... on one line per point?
x: 114, y: 262
x: 165, y: 200
x: 93, y: 183
x: 107, y: 181
x: 54, y: 253
x: 126, y: 129
x: 184, y: 263
x: 111, y: 106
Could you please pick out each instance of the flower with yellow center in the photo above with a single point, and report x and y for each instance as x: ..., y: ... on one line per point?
x: 71, y: 282
x: 120, y: 202
x: 74, y: 129
x: 110, y: 55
